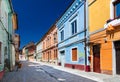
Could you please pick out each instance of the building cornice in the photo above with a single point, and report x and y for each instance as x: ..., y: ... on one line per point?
x: 71, y: 10
x: 71, y: 36
x: 79, y: 41
x: 102, y: 29
x: 55, y: 45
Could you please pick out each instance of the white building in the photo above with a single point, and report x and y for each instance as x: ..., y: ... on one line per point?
x: 39, y: 51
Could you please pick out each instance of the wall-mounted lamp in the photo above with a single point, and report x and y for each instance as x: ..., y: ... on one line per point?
x: 105, y: 40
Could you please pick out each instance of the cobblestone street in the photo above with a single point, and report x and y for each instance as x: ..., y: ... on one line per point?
x: 33, y: 72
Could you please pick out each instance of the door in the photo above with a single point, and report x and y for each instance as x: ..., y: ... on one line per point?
x: 96, y: 58
x: 117, y: 50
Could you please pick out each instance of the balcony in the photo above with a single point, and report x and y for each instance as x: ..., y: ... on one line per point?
x: 112, y: 23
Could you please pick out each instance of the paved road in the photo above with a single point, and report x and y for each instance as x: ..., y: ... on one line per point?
x: 33, y: 72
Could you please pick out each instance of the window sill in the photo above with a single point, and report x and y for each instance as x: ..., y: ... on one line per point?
x: 74, y: 61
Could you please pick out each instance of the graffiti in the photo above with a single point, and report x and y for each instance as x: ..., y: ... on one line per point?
x: 81, y: 59
x: 81, y: 56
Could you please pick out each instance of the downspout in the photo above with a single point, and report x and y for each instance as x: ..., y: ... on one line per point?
x: 85, y: 36
x: 10, y: 41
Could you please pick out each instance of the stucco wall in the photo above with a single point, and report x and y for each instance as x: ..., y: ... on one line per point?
x: 99, y: 13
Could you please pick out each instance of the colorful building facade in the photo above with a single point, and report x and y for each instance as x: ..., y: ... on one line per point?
x: 104, y: 23
x: 49, y: 42
x: 7, y: 27
x: 72, y: 48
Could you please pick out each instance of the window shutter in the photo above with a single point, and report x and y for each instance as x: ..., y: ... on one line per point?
x: 74, y: 54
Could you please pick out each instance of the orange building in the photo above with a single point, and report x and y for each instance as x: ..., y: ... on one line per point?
x: 49, y: 42
x: 104, y: 28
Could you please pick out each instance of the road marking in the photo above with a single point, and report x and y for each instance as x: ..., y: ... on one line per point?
x: 61, y: 80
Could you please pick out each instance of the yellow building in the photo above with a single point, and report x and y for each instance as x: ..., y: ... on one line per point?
x: 104, y: 28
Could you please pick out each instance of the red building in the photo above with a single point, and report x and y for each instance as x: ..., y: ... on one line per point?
x: 30, y: 51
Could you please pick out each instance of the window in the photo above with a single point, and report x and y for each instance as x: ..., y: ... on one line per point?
x: 43, y: 45
x: 49, y: 41
x: 117, y: 9
x: 0, y: 52
x: 55, y: 54
x: 55, y: 37
x: 74, y: 27
x: 50, y: 57
x: 62, y: 35
x: 74, y: 54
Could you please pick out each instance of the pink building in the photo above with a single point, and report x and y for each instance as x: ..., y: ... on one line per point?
x: 49, y: 41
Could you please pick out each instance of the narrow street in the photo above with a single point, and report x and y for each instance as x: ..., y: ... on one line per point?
x: 34, y: 72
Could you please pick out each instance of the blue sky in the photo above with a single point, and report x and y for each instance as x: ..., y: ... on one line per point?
x: 36, y: 16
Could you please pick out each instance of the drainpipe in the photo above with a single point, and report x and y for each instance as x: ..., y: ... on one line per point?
x: 85, y: 39
x: 10, y: 30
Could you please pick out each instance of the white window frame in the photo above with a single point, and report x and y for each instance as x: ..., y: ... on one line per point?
x: 112, y: 9
x: 74, y: 26
x: 63, y: 35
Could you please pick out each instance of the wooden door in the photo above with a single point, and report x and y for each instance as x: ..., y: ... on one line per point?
x: 118, y: 61
x: 96, y: 58
x: 117, y: 49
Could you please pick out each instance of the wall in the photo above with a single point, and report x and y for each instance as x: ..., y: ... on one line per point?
x: 80, y: 54
x: 39, y: 51
x: 99, y: 13
x: 3, y: 32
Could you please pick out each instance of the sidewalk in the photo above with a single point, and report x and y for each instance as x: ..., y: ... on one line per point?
x: 90, y: 75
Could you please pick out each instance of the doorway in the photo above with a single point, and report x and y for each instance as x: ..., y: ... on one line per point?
x: 96, y: 58
x: 62, y: 58
x: 117, y: 54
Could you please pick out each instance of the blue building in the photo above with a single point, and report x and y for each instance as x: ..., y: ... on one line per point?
x: 72, y: 33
